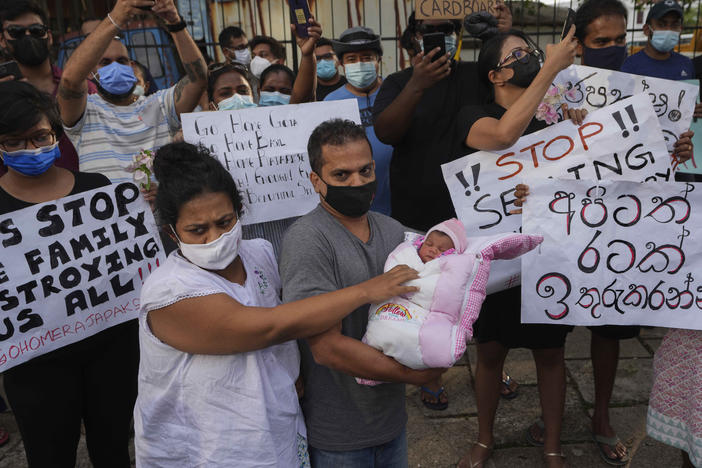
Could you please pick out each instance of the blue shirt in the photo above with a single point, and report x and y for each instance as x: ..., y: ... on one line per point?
x: 382, y: 153
x: 675, y: 67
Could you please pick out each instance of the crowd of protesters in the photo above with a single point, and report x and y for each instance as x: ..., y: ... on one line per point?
x: 211, y: 373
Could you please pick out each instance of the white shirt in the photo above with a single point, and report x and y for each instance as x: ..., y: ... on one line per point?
x: 107, y: 136
x: 216, y: 411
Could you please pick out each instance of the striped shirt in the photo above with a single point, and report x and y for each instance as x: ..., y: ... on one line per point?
x: 107, y: 136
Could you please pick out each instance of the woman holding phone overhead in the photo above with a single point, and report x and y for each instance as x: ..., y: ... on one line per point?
x: 510, y: 65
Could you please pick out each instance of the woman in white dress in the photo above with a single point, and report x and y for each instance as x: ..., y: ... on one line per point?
x: 218, y: 367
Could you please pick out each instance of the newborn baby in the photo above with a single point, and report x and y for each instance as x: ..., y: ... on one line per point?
x: 430, y: 327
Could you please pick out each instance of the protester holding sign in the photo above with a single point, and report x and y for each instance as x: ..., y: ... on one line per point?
x: 509, y: 65
x: 601, y: 33
x: 92, y: 381
x: 219, y: 360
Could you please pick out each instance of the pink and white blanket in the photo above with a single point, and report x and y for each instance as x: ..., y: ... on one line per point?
x: 429, y: 328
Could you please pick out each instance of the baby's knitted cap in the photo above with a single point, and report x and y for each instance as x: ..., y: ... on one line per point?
x: 455, y: 230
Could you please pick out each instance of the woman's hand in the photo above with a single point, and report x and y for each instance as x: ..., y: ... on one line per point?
x: 503, y: 16
x: 575, y: 115
x: 560, y: 56
x: 390, y: 284
x: 683, y: 148
x: 521, y: 191
x: 150, y: 195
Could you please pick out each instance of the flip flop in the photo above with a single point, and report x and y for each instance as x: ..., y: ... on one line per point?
x: 507, y: 392
x: 611, y: 442
x: 439, y: 405
x: 530, y: 438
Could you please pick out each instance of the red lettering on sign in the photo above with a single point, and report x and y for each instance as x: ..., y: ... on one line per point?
x: 584, y: 136
x: 516, y: 163
x: 562, y: 137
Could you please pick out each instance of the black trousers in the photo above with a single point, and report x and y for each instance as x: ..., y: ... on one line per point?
x: 94, y: 381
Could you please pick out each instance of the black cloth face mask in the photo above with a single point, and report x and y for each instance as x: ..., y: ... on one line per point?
x: 524, y: 73
x: 30, y: 51
x: 609, y: 58
x: 351, y: 201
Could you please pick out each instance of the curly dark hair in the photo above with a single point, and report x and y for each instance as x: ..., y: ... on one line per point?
x: 22, y: 106
x: 185, y: 171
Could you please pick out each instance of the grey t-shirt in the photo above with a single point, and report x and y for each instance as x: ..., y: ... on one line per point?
x: 319, y: 255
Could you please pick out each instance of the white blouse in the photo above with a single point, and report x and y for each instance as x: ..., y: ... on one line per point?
x: 210, y: 410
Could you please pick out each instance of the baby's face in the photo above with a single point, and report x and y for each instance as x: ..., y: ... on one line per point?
x: 434, y: 245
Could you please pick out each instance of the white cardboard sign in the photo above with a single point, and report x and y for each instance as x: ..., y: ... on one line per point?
x: 73, y: 267
x: 620, y: 142
x: 595, y: 88
x: 614, y: 252
x: 265, y: 150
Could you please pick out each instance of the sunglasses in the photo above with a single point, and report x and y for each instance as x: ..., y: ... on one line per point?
x: 446, y: 28
x: 519, y: 55
x: 17, y: 32
x: 227, y: 66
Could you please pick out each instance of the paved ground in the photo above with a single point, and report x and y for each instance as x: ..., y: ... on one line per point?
x: 438, y: 439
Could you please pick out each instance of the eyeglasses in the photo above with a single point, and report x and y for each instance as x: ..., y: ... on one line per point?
x: 17, y: 32
x: 446, y: 28
x: 39, y: 140
x: 520, y: 55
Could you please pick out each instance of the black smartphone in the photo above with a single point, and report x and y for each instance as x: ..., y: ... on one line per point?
x: 433, y: 40
x: 10, y: 68
x: 300, y: 13
x: 570, y: 19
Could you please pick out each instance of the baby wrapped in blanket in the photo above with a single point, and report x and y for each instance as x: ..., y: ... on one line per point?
x: 429, y: 328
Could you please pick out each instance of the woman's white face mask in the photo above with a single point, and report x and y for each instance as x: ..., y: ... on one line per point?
x: 215, y: 255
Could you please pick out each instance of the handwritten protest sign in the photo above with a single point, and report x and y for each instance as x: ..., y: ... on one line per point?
x: 694, y: 164
x: 595, y: 88
x: 265, y: 150
x: 619, y: 253
x: 71, y: 268
x: 622, y: 142
x: 451, y: 9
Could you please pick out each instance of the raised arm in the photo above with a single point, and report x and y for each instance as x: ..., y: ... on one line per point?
x: 73, y: 87
x: 492, y: 134
x: 189, y: 89
x: 392, y: 123
x: 217, y: 324
x: 305, y: 86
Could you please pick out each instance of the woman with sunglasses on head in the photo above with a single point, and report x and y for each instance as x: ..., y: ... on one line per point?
x: 509, y: 64
x: 92, y: 381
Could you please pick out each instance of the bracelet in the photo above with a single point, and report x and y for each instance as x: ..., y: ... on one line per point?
x: 113, y: 22
x: 177, y: 27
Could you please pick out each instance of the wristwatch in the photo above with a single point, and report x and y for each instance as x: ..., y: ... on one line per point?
x: 176, y: 27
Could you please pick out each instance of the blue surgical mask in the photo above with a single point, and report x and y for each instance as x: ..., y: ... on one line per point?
x: 450, y: 44
x: 665, y: 41
x: 32, y: 162
x: 117, y: 79
x: 273, y: 98
x: 326, y: 69
x: 361, y: 75
x: 236, y: 102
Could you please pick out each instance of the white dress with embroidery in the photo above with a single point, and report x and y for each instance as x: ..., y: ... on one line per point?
x: 217, y: 411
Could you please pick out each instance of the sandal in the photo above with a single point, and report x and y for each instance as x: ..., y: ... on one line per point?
x: 612, y: 443
x: 539, y: 423
x: 470, y: 458
x: 509, y: 388
x: 438, y: 405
